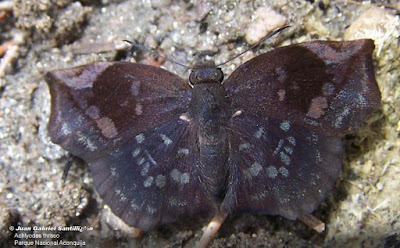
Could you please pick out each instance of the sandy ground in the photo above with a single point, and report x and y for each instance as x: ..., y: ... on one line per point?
x: 363, y: 209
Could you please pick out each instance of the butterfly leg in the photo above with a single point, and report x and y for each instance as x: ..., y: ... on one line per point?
x: 313, y: 222
x: 211, y: 230
x: 115, y: 223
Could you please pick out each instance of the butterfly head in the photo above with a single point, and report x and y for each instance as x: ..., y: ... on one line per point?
x: 206, y: 72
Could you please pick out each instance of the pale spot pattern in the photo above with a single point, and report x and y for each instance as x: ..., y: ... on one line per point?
x: 136, y: 152
x: 312, y: 122
x: 278, y: 148
x: 281, y: 95
x: 291, y: 140
x: 107, y: 127
x: 183, y: 151
x: 317, y: 107
x: 148, y: 182
x: 167, y: 141
x: 176, y: 203
x: 151, y: 210
x: 328, y: 89
x: 93, y: 112
x: 81, y: 79
x: 139, y: 109
x: 284, y: 171
x: 151, y: 159
x: 82, y: 139
x: 113, y: 171
x: 135, y: 88
x: 177, y: 176
x: 145, y: 169
x: 244, y: 146
x: 65, y: 129
x: 160, y: 181
x: 140, y: 161
x: 260, y: 132
x: 285, y: 126
x: 338, y: 122
x: 284, y: 158
x: 139, y: 138
x: 288, y: 149
x: 255, y: 169
x: 272, y: 172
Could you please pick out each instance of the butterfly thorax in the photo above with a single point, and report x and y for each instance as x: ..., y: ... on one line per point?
x: 209, y: 115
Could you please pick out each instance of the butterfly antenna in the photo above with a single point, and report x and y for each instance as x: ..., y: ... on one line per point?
x: 255, y: 45
x: 155, y: 53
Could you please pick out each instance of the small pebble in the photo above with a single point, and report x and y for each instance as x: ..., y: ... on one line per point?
x: 266, y: 21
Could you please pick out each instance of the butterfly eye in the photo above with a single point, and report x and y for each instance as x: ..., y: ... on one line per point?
x: 219, y: 75
x: 193, y: 77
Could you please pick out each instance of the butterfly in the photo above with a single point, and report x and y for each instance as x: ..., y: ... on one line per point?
x: 266, y: 140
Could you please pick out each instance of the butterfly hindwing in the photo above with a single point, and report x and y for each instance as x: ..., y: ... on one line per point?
x: 99, y: 106
x: 151, y: 179
x: 327, y: 87
x: 279, y: 167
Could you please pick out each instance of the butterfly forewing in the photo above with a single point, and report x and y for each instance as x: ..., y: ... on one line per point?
x: 99, y: 106
x: 327, y: 87
x: 151, y: 179
x: 279, y: 167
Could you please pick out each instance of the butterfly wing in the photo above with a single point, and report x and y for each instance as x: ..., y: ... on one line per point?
x: 292, y: 105
x: 279, y: 168
x: 96, y: 107
x: 123, y: 119
x: 328, y: 87
x: 152, y: 179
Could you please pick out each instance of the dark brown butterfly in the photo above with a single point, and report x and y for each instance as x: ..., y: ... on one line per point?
x: 266, y: 140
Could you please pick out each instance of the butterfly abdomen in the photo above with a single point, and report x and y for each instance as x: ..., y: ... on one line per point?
x: 207, y: 110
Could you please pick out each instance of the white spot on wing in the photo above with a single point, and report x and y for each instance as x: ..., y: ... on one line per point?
x: 237, y: 113
x: 280, y: 144
x: 135, y: 86
x: 281, y: 94
x: 328, y: 89
x: 150, y: 157
x: 167, y: 141
x: 285, y: 126
x: 176, y: 203
x: 255, y: 169
x: 139, y: 109
x: 65, y: 129
x: 284, y: 171
x: 136, y: 152
x: 339, y: 118
x: 160, y: 181
x: 140, y: 161
x: 139, y: 138
x: 272, y: 172
x: 86, y: 142
x: 244, y: 146
x: 184, y: 117
x: 259, y: 132
x: 284, y: 158
x: 183, y: 151
x: 145, y: 169
x: 107, y: 127
x: 317, y: 107
x: 291, y: 140
x: 288, y: 149
x: 113, y: 171
x: 148, y: 182
x: 177, y: 176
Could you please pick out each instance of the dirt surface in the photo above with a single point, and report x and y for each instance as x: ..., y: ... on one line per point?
x: 363, y: 209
